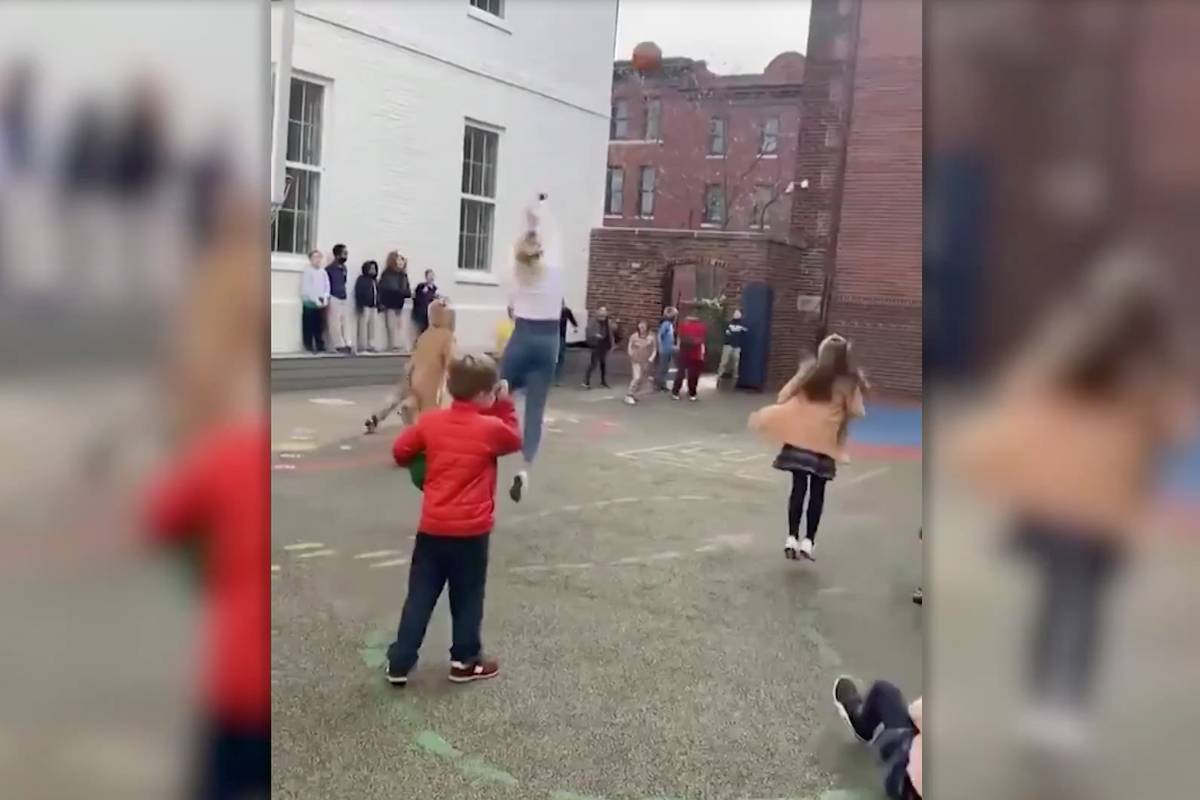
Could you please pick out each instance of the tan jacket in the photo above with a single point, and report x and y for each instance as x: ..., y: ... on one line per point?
x: 1087, y: 464
x: 809, y: 424
x: 431, y: 359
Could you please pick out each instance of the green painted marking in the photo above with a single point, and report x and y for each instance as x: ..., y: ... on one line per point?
x: 373, y: 657
x: 848, y: 794
x: 481, y: 770
x: 561, y: 795
x: 431, y: 743
x: 379, y: 638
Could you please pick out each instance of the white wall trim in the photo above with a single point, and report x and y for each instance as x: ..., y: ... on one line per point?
x: 490, y: 20
x: 411, y: 48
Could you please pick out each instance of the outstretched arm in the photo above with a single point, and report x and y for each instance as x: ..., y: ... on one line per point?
x: 409, y: 444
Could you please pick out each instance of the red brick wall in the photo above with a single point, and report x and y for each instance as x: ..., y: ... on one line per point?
x: 860, y: 150
x: 627, y: 266
x: 681, y: 157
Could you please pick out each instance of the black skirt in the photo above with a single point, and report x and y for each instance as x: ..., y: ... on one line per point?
x: 797, y: 459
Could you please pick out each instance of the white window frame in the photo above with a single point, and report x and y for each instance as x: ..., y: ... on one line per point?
x: 706, y: 220
x: 494, y: 20
x: 486, y: 274
x: 319, y: 170
x: 643, y: 192
x: 612, y: 129
x: 773, y: 151
x: 609, y: 195
x: 498, y: 14
x: 712, y: 135
x: 655, y: 102
x: 758, y: 218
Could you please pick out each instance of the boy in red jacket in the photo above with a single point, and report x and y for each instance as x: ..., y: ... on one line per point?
x: 461, y: 444
x: 692, y: 334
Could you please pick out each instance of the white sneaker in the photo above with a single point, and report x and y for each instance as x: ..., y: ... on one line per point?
x: 692, y: 398
x: 630, y: 400
x: 790, y: 546
x: 520, y: 485
x: 806, y: 549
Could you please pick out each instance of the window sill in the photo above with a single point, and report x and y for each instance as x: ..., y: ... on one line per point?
x: 715, y: 157
x: 766, y: 156
x: 614, y: 216
x: 476, y: 278
x: 639, y: 216
x: 710, y: 226
x: 288, y: 262
x: 635, y: 141
x: 491, y: 20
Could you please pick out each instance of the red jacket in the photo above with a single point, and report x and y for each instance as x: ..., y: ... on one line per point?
x: 461, y: 445
x: 692, y: 335
x: 220, y: 491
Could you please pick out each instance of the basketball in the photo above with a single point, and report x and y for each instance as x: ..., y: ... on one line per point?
x: 647, y: 57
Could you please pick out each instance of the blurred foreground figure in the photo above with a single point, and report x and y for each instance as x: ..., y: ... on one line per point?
x: 1070, y: 442
x: 213, y: 499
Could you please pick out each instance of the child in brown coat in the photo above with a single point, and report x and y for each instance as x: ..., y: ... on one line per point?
x: 809, y: 420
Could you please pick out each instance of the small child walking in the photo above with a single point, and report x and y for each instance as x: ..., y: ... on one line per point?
x: 808, y: 419
x: 643, y: 349
x: 461, y: 445
x: 420, y: 389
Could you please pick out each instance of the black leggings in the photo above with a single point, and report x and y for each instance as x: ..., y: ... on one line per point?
x: 802, y: 483
x: 599, y: 359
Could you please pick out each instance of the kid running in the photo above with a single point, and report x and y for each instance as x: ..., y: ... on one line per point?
x: 808, y: 418
x: 461, y: 445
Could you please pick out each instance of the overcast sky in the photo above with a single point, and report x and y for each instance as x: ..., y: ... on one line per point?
x: 733, y: 36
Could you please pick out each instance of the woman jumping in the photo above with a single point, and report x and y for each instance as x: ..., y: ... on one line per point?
x: 532, y: 353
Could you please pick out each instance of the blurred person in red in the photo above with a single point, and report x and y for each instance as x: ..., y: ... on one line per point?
x: 214, y: 498
x: 1070, y: 442
x: 690, y: 360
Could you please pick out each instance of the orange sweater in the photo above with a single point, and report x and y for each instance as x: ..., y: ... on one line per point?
x: 810, y: 424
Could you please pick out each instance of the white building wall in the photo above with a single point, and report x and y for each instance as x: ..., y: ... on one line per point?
x: 403, y: 78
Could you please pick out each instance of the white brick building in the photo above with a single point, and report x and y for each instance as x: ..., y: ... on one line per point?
x: 385, y: 100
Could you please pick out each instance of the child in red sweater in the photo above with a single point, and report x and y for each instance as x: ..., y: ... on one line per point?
x: 692, y: 335
x: 461, y: 445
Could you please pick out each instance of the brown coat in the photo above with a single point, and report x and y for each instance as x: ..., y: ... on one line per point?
x: 810, y: 424
x: 1085, y: 463
x: 430, y: 360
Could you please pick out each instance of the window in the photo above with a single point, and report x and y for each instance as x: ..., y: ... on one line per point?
x: 716, y: 137
x: 495, y: 7
x: 833, y: 137
x: 823, y: 223
x: 295, y: 227
x: 614, y: 192
x: 764, y: 194
x: 653, y: 126
x: 768, y: 142
x: 618, y: 127
x: 714, y: 204
x: 646, y: 192
x: 477, y: 209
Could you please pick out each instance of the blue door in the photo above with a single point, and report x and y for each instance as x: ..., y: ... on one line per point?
x: 756, y: 310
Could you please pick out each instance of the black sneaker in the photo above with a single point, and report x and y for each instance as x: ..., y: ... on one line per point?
x: 848, y: 701
x: 519, y: 484
x: 394, y: 677
x: 918, y: 596
x: 372, y: 423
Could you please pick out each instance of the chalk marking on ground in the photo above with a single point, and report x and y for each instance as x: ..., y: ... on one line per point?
x: 559, y: 794
x: 332, y: 401
x: 854, y: 480
x: 667, y: 555
x: 692, y: 497
x: 708, y: 548
x: 529, y: 568
x: 317, y: 554
x: 570, y: 508
x: 396, y: 562
x: 304, y: 546
x: 435, y: 745
x: 291, y: 455
x: 620, y: 562
x: 624, y: 500
x: 472, y: 767
x: 643, y: 450
x: 346, y: 447
x: 573, y: 566
x: 276, y: 568
x: 377, y: 554
x: 759, y: 478
x: 285, y: 466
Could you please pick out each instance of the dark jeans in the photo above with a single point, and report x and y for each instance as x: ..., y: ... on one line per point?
x: 1077, y: 569
x: 235, y: 763
x: 312, y: 329
x: 690, y: 369
x: 884, y: 705
x: 562, y: 358
x: 806, y: 483
x: 599, y: 359
x: 437, y: 560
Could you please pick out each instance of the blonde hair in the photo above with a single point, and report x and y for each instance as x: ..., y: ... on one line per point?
x: 528, y: 251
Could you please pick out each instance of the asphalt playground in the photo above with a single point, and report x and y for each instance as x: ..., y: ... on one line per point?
x: 654, y: 642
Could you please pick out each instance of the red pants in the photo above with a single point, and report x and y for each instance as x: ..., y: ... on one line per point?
x: 692, y: 370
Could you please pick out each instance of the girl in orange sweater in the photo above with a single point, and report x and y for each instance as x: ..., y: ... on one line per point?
x: 809, y: 420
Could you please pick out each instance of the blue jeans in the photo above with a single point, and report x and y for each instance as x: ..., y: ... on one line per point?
x: 664, y: 368
x: 460, y: 562
x: 530, y: 361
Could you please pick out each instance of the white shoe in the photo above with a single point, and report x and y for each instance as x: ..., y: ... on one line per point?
x: 692, y: 398
x: 630, y: 400
x: 806, y: 549
x: 790, y: 547
x: 520, y: 485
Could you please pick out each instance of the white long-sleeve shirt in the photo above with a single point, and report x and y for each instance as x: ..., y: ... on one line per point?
x: 314, y: 286
x: 542, y: 298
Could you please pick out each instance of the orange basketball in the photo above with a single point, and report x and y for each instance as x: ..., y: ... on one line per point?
x: 647, y: 57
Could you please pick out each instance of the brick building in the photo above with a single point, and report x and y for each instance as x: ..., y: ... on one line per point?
x: 850, y: 259
x: 690, y: 149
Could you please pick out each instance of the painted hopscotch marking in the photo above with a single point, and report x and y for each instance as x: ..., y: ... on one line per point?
x: 396, y: 562
x: 332, y: 401
x: 378, y: 554
x: 304, y: 546
x: 285, y: 466
x: 276, y: 568
x: 854, y: 480
x: 317, y: 554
